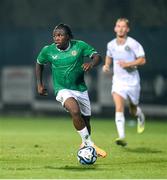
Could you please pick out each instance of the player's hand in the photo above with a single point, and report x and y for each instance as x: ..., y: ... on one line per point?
x: 124, y: 64
x: 127, y: 66
x: 106, y: 68
x: 87, y: 66
x: 42, y: 90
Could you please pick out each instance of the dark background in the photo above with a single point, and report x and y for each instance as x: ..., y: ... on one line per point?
x: 27, y: 25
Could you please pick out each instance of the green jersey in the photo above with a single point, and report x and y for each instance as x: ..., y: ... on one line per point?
x: 67, y: 72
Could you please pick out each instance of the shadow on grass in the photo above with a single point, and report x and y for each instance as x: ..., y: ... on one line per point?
x: 142, y: 150
x: 18, y: 169
x: 74, y: 168
x: 109, y: 166
x: 66, y: 167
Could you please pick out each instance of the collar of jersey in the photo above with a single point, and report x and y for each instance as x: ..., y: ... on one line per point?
x: 123, y: 43
x: 64, y: 49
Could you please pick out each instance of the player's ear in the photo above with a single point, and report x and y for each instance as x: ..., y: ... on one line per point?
x: 128, y: 29
x: 68, y: 37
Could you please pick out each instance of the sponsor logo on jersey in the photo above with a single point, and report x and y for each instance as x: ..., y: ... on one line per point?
x: 74, y: 53
x: 54, y: 56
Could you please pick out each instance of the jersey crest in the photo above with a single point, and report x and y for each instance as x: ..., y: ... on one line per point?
x: 127, y: 48
x: 74, y: 52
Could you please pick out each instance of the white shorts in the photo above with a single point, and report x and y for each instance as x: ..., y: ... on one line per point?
x: 127, y: 92
x: 81, y: 97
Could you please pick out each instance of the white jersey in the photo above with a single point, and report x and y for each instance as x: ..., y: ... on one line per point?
x: 129, y: 51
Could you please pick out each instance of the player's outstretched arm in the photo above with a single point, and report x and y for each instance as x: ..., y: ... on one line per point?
x: 39, y: 77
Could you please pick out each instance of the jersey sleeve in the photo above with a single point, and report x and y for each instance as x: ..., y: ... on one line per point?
x: 108, y: 52
x: 138, y: 50
x: 42, y: 57
x: 88, y: 50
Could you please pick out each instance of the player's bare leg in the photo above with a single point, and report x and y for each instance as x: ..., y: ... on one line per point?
x: 119, y: 119
x: 100, y: 152
x: 87, y: 122
x: 72, y: 106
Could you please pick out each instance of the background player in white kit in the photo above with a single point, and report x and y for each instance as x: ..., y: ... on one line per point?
x: 126, y: 54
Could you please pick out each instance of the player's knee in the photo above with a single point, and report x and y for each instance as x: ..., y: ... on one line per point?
x: 75, y: 112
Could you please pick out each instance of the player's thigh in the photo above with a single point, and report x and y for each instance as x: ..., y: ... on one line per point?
x: 119, y: 102
x: 68, y: 100
x: 134, y: 95
x: 118, y: 89
x: 72, y: 105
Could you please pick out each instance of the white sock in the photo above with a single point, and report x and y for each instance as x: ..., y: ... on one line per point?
x: 85, y: 137
x: 139, y: 111
x: 120, y: 124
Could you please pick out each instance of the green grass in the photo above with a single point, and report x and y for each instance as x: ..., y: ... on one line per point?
x: 47, y: 147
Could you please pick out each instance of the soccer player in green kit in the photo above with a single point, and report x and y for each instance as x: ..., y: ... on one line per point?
x: 66, y: 57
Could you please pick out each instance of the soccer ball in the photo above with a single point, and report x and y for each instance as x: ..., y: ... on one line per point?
x: 87, y: 155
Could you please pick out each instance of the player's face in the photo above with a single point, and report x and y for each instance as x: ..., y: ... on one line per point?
x: 121, y: 29
x: 60, y: 38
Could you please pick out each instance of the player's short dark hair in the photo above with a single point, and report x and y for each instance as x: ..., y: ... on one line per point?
x: 66, y: 28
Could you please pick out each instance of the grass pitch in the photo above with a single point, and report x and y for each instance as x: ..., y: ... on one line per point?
x: 46, y: 148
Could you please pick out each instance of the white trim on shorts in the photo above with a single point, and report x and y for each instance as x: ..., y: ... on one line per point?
x: 81, y: 97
